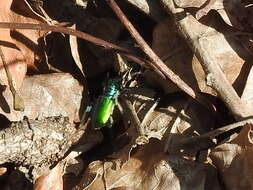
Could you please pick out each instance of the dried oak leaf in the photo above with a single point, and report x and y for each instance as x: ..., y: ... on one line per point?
x: 51, y: 180
x: 20, y: 47
x: 149, y: 169
x: 235, y: 158
x: 45, y: 96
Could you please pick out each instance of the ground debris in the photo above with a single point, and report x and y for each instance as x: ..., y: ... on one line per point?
x: 34, y: 143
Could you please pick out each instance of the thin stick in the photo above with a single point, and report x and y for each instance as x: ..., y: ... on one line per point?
x: 156, y: 61
x: 213, y: 134
x: 79, y: 34
x: 18, y: 103
x: 132, y: 115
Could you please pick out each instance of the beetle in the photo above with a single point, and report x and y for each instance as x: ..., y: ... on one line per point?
x: 104, y: 107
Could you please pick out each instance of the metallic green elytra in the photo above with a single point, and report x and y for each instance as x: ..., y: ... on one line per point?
x: 105, y: 104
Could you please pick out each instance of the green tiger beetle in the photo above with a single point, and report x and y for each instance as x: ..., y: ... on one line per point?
x: 104, y: 107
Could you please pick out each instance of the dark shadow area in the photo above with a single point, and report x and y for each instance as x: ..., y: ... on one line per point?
x: 21, y: 8
x: 3, y: 103
x: 14, y: 179
x: 4, y: 122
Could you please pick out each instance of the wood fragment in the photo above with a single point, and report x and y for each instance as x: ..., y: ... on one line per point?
x: 18, y: 102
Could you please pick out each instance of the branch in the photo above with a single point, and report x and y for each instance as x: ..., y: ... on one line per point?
x: 35, y: 142
x: 156, y: 61
x: 201, y: 142
x: 196, y: 35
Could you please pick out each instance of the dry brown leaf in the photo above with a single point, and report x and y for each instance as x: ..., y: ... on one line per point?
x: 45, y: 96
x: 73, y: 41
x: 20, y: 47
x: 149, y: 169
x: 51, y: 180
x: 3, y: 170
x: 235, y: 158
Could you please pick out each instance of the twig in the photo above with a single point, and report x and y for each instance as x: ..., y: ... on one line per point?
x: 156, y: 61
x: 18, y: 103
x: 214, y: 134
x: 174, y: 126
x: 79, y: 34
x: 133, y: 117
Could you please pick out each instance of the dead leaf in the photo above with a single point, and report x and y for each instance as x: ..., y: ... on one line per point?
x: 51, y: 180
x: 20, y: 47
x: 148, y: 169
x: 3, y: 170
x: 46, y: 96
x: 234, y: 157
x: 234, y: 164
x: 178, y: 57
x: 73, y: 41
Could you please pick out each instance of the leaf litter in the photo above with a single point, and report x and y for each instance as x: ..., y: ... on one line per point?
x: 161, y: 138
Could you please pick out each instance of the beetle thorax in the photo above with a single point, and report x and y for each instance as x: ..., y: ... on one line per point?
x: 112, y: 89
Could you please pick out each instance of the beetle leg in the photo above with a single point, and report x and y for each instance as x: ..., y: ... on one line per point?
x: 110, y: 122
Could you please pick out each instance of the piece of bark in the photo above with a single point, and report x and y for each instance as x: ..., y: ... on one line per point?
x: 35, y: 143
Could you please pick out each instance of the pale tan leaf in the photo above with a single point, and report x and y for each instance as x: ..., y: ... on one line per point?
x: 74, y: 51
x: 189, y: 3
x: 45, y: 96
